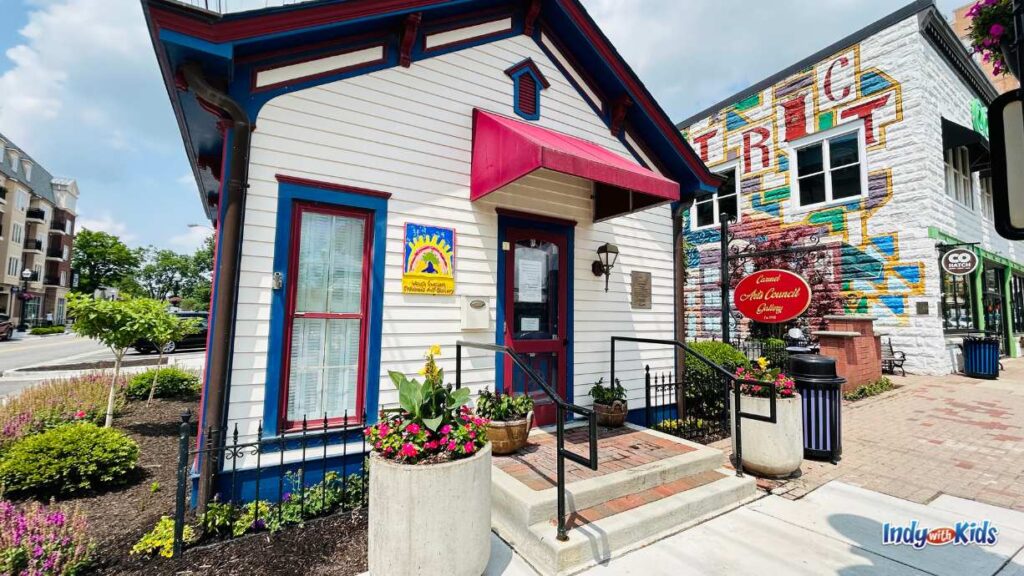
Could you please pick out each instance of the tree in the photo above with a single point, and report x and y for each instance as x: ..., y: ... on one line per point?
x: 101, y: 259
x: 161, y: 328
x: 199, y: 295
x: 166, y: 272
x: 117, y: 324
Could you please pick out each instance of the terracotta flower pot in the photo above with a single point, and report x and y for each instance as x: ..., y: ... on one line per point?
x: 771, y: 450
x: 613, y: 415
x: 509, y: 437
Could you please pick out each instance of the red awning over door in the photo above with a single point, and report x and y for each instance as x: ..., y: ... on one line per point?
x: 505, y: 150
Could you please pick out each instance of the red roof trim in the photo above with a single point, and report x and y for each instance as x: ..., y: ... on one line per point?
x: 601, y: 43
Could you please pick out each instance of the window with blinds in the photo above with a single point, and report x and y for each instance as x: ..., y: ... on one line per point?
x: 327, y: 316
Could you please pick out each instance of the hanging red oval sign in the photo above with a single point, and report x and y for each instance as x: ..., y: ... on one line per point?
x: 772, y: 296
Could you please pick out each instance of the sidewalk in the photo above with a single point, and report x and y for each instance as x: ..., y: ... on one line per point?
x: 935, y: 435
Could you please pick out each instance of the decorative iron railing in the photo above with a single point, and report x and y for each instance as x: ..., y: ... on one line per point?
x: 561, y: 407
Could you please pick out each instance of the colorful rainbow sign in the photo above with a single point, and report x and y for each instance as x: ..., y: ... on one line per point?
x: 429, y: 260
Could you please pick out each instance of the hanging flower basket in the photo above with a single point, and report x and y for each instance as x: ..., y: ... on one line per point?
x: 430, y: 482
x: 770, y: 450
x: 992, y: 36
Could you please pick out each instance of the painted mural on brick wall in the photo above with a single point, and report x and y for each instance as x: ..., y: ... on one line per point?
x: 754, y: 136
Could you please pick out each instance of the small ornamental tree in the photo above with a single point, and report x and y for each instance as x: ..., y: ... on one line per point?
x: 161, y: 327
x: 117, y: 324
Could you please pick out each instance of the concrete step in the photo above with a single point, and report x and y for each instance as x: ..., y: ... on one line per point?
x: 520, y: 504
x: 618, y: 525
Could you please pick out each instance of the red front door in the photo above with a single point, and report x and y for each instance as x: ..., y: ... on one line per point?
x: 536, y: 294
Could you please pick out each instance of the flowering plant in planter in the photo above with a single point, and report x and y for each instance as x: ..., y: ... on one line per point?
x: 432, y: 423
x: 762, y: 372
x: 992, y: 29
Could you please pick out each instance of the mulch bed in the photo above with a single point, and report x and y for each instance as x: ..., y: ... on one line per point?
x: 118, y: 518
x: 97, y: 365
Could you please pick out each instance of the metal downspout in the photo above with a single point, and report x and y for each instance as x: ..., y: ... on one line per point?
x: 229, y: 248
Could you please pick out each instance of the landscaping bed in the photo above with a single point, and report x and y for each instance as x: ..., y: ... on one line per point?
x: 97, y: 365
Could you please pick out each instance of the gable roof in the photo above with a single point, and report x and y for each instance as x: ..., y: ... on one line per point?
x: 931, y: 24
x: 231, y: 46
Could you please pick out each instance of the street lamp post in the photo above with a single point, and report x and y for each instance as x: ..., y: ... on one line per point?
x: 25, y: 275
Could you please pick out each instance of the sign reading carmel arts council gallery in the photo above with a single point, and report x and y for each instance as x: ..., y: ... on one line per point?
x: 772, y: 296
x: 429, y: 260
x: 959, y: 261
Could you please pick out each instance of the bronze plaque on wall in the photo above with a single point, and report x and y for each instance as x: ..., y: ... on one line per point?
x: 641, y: 291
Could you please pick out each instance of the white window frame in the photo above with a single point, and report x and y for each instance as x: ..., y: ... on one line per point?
x: 959, y: 183
x: 713, y: 198
x: 17, y: 232
x: 988, y: 211
x: 826, y: 160
x: 13, y: 263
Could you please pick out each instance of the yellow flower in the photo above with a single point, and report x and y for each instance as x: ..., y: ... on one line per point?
x: 435, y: 350
x: 423, y: 371
x: 763, y: 363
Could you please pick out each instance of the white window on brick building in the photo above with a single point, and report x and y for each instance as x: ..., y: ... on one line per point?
x: 959, y: 185
x: 706, y: 211
x: 830, y: 167
x: 987, y: 206
x: 16, y: 232
x: 13, y: 266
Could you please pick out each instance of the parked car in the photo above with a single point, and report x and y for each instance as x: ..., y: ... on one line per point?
x: 196, y: 340
x: 6, y: 327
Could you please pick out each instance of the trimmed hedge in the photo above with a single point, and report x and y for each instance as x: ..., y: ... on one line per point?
x: 68, y: 459
x: 707, y: 393
x: 45, y: 330
x: 172, y: 383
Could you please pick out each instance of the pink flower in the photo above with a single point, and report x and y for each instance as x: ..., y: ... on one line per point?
x: 383, y: 429
x: 452, y: 446
x: 430, y: 445
x: 80, y: 414
x: 472, y: 435
x: 469, y: 447
x: 408, y: 450
x: 446, y: 429
x: 367, y: 430
x: 413, y: 428
x: 996, y: 30
x: 388, y: 450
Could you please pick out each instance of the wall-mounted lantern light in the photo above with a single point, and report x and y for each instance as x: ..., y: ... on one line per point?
x: 607, y: 254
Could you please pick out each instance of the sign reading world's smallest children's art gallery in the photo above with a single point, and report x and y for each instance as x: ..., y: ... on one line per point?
x: 429, y: 260
x: 772, y: 296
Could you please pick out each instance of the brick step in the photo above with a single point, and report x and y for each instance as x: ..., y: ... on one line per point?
x: 617, y: 526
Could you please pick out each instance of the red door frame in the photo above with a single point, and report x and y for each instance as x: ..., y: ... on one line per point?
x: 544, y: 414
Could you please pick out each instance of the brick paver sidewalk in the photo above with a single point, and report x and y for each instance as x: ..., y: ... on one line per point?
x: 950, y: 434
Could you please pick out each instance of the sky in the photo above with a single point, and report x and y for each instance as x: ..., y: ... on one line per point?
x: 80, y: 90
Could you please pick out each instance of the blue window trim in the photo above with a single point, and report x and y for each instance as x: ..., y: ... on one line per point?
x: 288, y: 194
x: 504, y: 223
x: 538, y: 84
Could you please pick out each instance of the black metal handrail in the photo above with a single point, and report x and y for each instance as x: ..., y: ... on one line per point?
x: 737, y: 412
x: 590, y: 461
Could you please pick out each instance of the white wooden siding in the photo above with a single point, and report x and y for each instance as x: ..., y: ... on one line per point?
x: 409, y: 132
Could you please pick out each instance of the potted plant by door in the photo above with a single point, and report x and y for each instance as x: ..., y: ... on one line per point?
x: 609, y: 404
x: 770, y: 450
x: 430, y: 481
x: 510, y: 417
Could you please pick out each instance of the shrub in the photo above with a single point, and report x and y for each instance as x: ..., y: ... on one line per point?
x: 56, y: 402
x: 68, y: 459
x: 171, y: 383
x: 503, y: 407
x: 38, y: 539
x: 706, y: 389
x: 875, y: 388
x: 160, y: 540
x: 45, y: 330
x: 607, y: 395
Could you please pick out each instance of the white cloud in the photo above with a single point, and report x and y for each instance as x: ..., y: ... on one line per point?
x: 192, y: 239
x: 106, y: 223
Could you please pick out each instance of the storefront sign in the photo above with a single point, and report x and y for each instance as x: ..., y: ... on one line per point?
x: 959, y: 262
x: 772, y: 296
x: 429, y: 260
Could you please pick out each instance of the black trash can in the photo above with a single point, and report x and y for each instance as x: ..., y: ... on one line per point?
x: 821, y: 394
x: 981, y: 357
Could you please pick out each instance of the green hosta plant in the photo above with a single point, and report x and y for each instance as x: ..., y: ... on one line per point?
x: 499, y: 407
x: 432, y: 402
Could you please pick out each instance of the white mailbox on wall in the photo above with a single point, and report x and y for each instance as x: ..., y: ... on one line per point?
x: 476, y: 313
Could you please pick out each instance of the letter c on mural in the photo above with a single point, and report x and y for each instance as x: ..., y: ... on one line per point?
x: 843, y: 62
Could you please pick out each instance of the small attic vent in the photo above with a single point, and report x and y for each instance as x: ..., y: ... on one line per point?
x: 527, y: 81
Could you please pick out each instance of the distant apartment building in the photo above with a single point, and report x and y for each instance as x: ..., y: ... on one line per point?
x: 37, y: 225
x: 962, y: 26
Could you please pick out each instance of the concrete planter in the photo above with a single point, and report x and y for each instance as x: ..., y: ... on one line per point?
x: 509, y: 437
x: 428, y: 520
x: 612, y: 416
x: 771, y: 450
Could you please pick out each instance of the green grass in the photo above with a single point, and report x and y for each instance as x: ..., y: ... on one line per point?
x: 883, y: 384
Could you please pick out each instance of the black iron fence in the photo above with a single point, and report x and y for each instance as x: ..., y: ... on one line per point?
x: 771, y: 350
x: 270, y: 483
x: 695, y: 407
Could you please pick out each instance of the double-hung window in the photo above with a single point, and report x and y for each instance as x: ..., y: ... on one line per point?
x: 958, y: 176
x: 327, y: 321
x: 830, y: 169
x: 987, y: 206
x: 708, y: 209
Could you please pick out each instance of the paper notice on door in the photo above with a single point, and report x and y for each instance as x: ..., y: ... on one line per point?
x: 529, y: 325
x: 530, y: 279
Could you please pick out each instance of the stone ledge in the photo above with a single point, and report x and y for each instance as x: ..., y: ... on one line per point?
x: 835, y: 333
